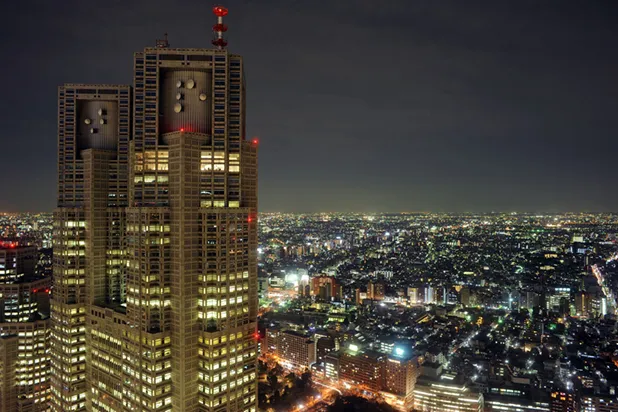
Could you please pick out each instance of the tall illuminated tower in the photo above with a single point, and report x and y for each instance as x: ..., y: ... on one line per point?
x: 155, y: 298
x: 24, y: 331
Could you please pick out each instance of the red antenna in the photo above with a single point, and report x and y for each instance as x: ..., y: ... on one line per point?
x: 219, y: 28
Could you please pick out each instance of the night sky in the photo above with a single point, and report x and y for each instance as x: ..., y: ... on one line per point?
x: 392, y: 105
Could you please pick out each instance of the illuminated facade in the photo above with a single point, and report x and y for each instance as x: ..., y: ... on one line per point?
x: 599, y: 403
x: 325, y: 287
x: 296, y: 348
x: 24, y: 331
x: 331, y: 366
x: 364, y: 368
x: 442, y: 395
x: 495, y: 403
x: 291, y: 347
x: 375, y: 291
x: 563, y: 402
x: 400, y: 379
x: 155, y: 242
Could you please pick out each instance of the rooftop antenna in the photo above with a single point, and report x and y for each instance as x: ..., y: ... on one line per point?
x: 163, y: 44
x: 219, y: 28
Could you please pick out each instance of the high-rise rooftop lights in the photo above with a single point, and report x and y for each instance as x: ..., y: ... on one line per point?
x: 219, y: 28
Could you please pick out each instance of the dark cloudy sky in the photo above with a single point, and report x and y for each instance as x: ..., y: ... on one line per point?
x: 391, y: 105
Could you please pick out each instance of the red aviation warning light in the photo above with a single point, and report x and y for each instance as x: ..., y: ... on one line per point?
x: 220, y: 11
x: 220, y: 43
x: 255, y: 141
x: 219, y: 28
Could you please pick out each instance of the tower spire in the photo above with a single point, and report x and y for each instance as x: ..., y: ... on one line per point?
x: 219, y: 28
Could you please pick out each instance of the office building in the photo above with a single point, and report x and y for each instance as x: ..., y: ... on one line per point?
x: 324, y: 344
x: 271, y: 341
x: 331, y: 366
x: 291, y: 347
x: 326, y: 288
x: 561, y: 401
x: 446, y: 394
x: 599, y: 403
x: 401, y: 372
x: 24, y: 331
x: 364, y: 368
x: 375, y: 291
x: 155, y: 242
x: 505, y: 403
x: 296, y: 348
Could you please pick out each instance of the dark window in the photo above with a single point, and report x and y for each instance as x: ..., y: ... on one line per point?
x: 199, y: 57
x: 171, y: 57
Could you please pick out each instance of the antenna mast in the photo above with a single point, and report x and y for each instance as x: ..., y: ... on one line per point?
x: 163, y: 44
x: 219, y: 28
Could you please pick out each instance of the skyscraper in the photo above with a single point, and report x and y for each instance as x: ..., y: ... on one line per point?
x: 24, y: 331
x: 155, y: 299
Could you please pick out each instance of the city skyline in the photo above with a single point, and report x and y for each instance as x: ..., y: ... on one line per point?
x: 488, y: 106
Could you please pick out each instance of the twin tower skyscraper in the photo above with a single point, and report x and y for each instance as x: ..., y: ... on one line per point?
x: 154, y: 303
